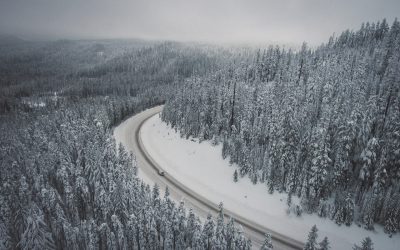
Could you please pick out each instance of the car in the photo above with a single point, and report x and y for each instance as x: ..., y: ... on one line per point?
x: 160, y: 172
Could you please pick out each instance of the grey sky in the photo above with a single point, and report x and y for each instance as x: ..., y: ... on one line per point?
x: 254, y: 21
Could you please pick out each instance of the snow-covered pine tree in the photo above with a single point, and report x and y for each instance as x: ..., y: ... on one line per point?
x: 366, y: 244
x: 324, y: 244
x: 267, y: 244
x: 311, y: 243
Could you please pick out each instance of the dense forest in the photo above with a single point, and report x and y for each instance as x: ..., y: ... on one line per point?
x: 64, y: 182
x: 322, y: 123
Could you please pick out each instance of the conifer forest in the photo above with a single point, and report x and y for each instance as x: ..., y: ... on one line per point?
x: 322, y: 124
x: 313, y: 125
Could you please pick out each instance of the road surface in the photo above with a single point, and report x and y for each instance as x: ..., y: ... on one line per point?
x: 128, y: 133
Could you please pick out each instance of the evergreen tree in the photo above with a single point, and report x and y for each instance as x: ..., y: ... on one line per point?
x: 366, y: 244
x: 311, y: 243
x: 267, y: 244
x: 324, y: 244
x: 208, y: 231
x: 220, y: 230
x: 235, y: 176
x: 36, y: 234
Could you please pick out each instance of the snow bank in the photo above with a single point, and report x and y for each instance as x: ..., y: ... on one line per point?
x: 200, y: 166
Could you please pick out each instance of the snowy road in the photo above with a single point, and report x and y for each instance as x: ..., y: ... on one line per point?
x: 127, y: 133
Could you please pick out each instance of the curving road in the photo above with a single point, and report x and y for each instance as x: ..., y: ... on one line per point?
x: 128, y: 133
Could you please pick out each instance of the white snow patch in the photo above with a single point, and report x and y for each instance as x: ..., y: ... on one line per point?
x: 200, y: 166
x: 34, y: 104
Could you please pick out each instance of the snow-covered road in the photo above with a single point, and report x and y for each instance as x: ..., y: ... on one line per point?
x: 128, y: 132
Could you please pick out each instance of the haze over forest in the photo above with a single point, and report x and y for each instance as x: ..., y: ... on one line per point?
x: 223, y: 21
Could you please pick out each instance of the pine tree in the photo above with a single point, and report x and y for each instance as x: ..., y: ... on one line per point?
x: 156, y: 192
x: 191, y: 227
x: 289, y: 200
x: 324, y: 244
x: 36, y: 234
x: 368, y: 212
x: 366, y: 244
x: 368, y: 157
x: 231, y: 234
x: 311, y: 243
x: 220, y: 230
x: 267, y: 244
x: 208, y: 231
x: 349, y: 210
x: 319, y: 166
x: 235, y: 176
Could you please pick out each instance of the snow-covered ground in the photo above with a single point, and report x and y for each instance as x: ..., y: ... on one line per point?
x: 200, y: 166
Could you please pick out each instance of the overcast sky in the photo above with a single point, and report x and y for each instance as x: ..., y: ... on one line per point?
x: 237, y: 21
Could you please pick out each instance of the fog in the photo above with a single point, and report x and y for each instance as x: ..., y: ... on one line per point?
x: 222, y: 21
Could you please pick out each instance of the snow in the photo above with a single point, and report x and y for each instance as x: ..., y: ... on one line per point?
x: 33, y: 104
x: 200, y: 167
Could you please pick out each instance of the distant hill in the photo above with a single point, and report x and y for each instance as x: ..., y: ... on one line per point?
x: 10, y: 40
